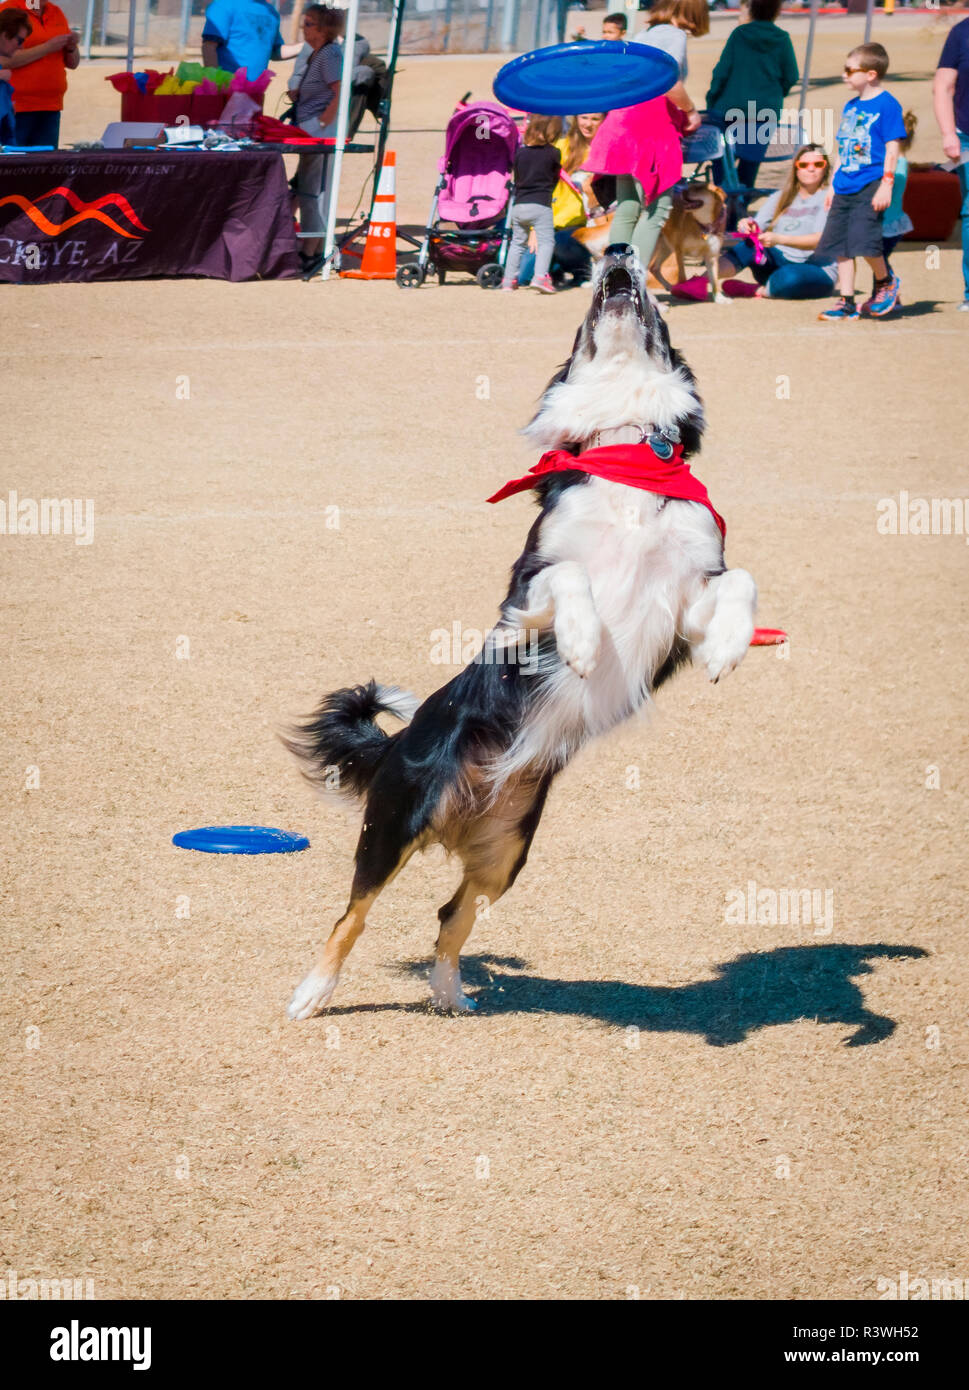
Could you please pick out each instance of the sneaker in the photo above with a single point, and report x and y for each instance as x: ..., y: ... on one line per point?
x: 883, y: 301
x: 840, y: 309
x: 964, y: 307
x: 509, y: 285
x: 739, y: 289
x: 544, y: 286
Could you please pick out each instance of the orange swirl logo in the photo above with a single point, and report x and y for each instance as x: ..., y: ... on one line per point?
x: 83, y: 212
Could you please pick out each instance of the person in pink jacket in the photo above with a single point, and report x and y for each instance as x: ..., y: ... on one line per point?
x: 640, y: 145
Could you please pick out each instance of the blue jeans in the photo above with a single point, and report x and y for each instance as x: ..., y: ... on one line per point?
x: 569, y: 256
x: 784, y: 279
x: 38, y: 128
x: 964, y: 185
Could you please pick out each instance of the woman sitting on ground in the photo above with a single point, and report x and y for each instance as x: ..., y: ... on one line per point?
x: 790, y: 224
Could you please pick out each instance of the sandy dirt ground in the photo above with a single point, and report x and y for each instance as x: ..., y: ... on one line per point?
x: 652, y: 1097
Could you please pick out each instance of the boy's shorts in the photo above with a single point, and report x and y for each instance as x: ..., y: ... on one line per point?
x: 853, y: 227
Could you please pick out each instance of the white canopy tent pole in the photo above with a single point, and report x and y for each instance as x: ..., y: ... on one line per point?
x: 132, y: 21
x: 88, y: 28
x: 184, y: 26
x: 335, y: 165
x: 806, y: 75
x: 396, y: 19
x: 869, y: 16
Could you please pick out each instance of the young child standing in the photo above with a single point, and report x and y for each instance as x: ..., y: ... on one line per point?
x: 868, y: 146
x: 897, y: 222
x: 538, y: 164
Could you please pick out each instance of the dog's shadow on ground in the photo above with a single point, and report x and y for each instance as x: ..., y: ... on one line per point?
x: 750, y: 992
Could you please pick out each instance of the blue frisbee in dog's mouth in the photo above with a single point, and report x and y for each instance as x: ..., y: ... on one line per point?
x: 240, y: 839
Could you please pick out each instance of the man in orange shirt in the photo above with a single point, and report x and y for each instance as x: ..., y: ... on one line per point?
x: 39, y: 72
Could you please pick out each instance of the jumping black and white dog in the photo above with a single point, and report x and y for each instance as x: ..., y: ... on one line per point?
x: 620, y: 585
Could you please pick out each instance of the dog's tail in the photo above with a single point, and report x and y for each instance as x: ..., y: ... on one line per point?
x: 340, y: 747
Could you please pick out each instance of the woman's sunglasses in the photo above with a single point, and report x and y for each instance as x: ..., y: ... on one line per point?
x: 812, y: 164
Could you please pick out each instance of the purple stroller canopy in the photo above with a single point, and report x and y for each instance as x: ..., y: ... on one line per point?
x: 479, y: 150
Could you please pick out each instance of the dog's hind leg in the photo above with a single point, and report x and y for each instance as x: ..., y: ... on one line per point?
x: 316, y: 990
x: 494, y: 854
x: 457, y: 918
x: 560, y: 596
x: 714, y: 246
x: 720, y: 623
x: 658, y: 259
x: 380, y: 857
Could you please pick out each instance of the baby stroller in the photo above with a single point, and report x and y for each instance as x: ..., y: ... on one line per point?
x: 472, y: 194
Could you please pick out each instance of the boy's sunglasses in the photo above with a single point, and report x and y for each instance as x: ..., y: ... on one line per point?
x: 849, y: 71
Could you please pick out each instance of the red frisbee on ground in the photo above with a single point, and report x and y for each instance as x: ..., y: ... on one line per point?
x: 768, y: 637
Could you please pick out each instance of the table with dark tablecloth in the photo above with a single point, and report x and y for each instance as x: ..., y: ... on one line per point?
x: 130, y: 214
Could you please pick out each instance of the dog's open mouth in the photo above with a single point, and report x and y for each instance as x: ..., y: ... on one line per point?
x: 617, y: 282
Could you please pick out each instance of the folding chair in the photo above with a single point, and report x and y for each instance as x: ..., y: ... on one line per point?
x: 780, y: 151
x: 702, y: 148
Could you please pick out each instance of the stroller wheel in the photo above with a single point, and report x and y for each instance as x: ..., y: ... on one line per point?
x: 489, y: 276
x: 409, y: 277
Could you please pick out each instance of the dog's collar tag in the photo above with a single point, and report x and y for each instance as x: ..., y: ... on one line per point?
x: 661, y: 441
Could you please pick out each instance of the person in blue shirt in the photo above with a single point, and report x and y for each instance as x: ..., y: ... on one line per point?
x: 242, y: 34
x: 868, y: 145
x: 951, y: 98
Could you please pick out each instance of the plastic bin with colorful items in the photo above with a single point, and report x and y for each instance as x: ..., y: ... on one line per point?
x: 202, y: 96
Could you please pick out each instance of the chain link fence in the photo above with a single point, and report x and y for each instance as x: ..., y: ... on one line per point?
x: 168, y: 30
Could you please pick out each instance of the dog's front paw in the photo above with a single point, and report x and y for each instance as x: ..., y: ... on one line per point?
x: 312, y: 996
x: 725, y: 644
x: 577, y: 636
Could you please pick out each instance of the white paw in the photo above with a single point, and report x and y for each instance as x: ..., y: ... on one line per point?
x: 446, y: 992
x: 577, y: 636
x: 311, y: 996
x: 726, y: 641
x: 453, y: 1004
x: 721, y: 299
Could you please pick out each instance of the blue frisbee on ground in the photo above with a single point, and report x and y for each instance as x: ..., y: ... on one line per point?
x: 240, y: 839
x: 568, y: 79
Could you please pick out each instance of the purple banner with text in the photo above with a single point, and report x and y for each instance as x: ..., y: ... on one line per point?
x: 125, y: 215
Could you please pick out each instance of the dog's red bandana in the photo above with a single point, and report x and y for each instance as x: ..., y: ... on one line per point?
x: 635, y: 465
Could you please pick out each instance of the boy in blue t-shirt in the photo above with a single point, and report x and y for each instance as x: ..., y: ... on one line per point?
x: 868, y: 146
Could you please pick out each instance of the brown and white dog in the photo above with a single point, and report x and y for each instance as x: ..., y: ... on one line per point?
x: 620, y: 585
x: 694, y: 231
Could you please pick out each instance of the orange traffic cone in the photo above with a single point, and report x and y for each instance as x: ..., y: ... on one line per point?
x: 380, y: 251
